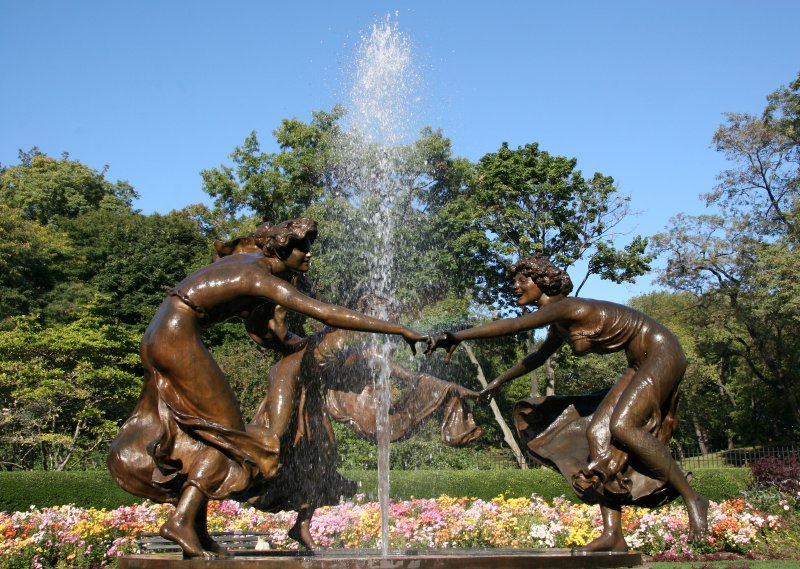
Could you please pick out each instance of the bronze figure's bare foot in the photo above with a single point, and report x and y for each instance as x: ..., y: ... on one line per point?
x: 698, y: 517
x: 186, y: 538
x: 606, y: 542
x: 301, y: 533
x: 209, y: 544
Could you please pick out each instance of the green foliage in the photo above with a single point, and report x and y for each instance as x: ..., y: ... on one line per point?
x: 247, y: 368
x: 741, y: 265
x: 423, y: 450
x: 721, y: 483
x: 484, y: 484
x: 31, y: 261
x: 47, y: 189
x: 134, y: 258
x: 527, y: 200
x: 148, y: 254
x: 95, y: 488
x: 64, y: 388
x: 279, y: 185
x: 87, y: 488
x: 716, y: 483
x: 311, y: 175
x: 588, y: 373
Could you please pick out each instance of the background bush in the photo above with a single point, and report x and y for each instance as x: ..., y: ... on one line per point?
x: 782, y: 473
x: 19, y: 490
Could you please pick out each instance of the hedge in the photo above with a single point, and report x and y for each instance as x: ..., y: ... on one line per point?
x: 20, y: 490
x: 716, y: 483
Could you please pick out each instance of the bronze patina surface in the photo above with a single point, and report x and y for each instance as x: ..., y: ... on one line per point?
x: 186, y: 441
x: 611, y: 446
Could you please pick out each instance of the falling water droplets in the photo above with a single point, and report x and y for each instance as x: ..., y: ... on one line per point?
x: 371, y: 154
x: 384, y: 86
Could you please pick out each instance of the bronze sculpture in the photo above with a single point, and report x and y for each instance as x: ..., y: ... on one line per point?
x: 621, y: 458
x: 185, y: 441
x: 333, y: 378
x: 331, y: 375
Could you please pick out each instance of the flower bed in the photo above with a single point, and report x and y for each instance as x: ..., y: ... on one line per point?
x: 66, y: 536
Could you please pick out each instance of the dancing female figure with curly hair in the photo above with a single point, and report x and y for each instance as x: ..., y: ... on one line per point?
x: 628, y: 419
x: 185, y: 441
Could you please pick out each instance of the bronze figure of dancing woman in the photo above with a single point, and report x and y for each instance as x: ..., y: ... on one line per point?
x: 185, y: 441
x: 630, y: 414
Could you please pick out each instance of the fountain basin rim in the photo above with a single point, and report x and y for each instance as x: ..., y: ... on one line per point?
x: 396, y: 559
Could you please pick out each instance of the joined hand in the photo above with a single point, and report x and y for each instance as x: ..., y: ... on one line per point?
x: 487, y: 394
x: 446, y: 341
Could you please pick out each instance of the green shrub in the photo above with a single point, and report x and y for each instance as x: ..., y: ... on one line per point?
x: 719, y: 484
x: 485, y: 484
x: 87, y: 488
x: 20, y: 490
x: 716, y: 483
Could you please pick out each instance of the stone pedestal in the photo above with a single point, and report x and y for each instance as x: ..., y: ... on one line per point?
x: 405, y: 559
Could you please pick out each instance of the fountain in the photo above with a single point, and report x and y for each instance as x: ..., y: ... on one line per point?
x: 370, y: 156
x: 369, y: 161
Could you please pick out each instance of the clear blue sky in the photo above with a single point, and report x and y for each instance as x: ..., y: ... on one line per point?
x: 161, y: 90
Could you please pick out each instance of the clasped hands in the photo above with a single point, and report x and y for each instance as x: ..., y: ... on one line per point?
x: 448, y: 341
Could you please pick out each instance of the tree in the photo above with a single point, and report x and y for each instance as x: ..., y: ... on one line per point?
x: 63, y: 389
x: 145, y: 255
x: 742, y: 262
x: 32, y: 258
x: 314, y: 174
x: 132, y: 257
x: 282, y: 185
x: 46, y: 188
x: 526, y: 200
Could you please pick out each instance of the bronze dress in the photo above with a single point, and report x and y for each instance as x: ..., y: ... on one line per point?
x: 553, y: 429
x: 187, y: 427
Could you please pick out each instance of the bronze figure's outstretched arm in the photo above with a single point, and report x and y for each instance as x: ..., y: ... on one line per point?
x: 338, y: 316
x: 529, y: 363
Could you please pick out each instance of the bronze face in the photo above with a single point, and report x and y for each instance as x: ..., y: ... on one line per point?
x: 528, y: 293
x: 299, y: 258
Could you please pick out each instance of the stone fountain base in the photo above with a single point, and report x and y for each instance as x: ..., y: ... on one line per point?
x: 396, y: 559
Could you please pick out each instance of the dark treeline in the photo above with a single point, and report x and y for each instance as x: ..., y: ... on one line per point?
x: 82, y: 272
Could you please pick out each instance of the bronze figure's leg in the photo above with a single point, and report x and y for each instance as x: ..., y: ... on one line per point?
x: 604, y: 459
x: 180, y: 527
x: 201, y: 527
x: 282, y: 394
x: 612, y: 538
x: 301, y: 530
x: 640, y: 402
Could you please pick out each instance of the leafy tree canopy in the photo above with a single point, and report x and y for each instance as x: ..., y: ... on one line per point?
x: 46, y: 188
x: 741, y: 262
x: 526, y: 200
x: 63, y: 389
x: 32, y: 258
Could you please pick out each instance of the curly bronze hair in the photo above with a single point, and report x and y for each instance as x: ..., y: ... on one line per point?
x: 277, y: 240
x: 550, y: 279
x: 245, y: 244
